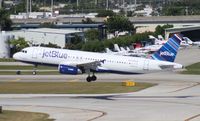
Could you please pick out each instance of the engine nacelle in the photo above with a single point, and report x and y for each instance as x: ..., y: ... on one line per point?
x: 65, y: 69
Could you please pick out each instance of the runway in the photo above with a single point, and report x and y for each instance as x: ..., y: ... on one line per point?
x: 175, y: 98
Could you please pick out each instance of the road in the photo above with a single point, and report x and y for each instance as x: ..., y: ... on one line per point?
x: 134, y: 20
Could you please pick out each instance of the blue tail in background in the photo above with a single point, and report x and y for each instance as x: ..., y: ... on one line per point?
x: 169, y: 50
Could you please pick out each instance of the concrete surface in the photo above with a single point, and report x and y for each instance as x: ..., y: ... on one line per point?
x: 175, y: 98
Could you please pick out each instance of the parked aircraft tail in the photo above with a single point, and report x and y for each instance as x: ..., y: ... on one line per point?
x: 122, y: 49
x: 108, y: 50
x: 169, y: 50
x: 116, y: 48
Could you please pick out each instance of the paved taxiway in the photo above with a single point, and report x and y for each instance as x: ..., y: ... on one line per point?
x: 175, y: 98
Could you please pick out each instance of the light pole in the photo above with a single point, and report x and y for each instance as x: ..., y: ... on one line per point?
x: 27, y: 4
x: 0, y: 4
x: 107, y: 4
x: 77, y: 3
x: 30, y: 6
x: 52, y: 7
x: 95, y: 2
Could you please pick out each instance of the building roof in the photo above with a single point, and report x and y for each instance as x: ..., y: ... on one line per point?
x: 182, y: 29
x: 61, y: 26
x: 54, y: 31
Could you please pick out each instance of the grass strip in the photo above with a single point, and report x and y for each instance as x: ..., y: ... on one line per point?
x: 30, y: 73
x: 68, y: 87
x: 193, y: 69
x: 7, y: 60
x: 8, y: 115
x: 25, y: 67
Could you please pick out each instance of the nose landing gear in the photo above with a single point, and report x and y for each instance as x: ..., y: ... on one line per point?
x: 34, y: 70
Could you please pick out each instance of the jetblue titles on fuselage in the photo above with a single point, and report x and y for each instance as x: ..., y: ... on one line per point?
x: 166, y: 53
x: 54, y: 54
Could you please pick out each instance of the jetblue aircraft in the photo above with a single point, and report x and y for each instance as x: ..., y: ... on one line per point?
x: 78, y: 62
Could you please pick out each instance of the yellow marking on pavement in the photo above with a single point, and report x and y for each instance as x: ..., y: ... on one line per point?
x: 73, y: 80
x: 16, y: 80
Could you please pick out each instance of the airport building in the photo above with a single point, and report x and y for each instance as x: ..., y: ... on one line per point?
x: 48, y: 35
x: 189, y: 31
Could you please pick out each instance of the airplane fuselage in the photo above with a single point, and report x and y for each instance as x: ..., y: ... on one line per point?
x: 109, y: 63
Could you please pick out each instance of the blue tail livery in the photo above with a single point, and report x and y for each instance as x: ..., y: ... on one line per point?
x: 169, y: 50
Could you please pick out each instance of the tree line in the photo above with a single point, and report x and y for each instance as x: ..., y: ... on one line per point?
x: 181, y: 7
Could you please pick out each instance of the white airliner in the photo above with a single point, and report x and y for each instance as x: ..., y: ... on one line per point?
x: 78, y: 62
x: 189, y: 41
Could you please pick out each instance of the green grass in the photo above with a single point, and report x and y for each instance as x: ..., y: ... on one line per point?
x: 24, y: 67
x: 27, y: 70
x: 7, y: 60
x: 193, y: 69
x: 30, y: 73
x: 68, y: 87
x: 23, y: 116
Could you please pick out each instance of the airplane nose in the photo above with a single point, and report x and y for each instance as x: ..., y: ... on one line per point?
x: 16, y: 56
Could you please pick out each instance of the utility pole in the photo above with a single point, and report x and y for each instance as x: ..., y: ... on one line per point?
x: 52, y: 7
x: 1, y: 4
x: 107, y: 6
x: 96, y: 2
x: 30, y: 6
x: 77, y: 3
x: 27, y: 5
x: 186, y: 11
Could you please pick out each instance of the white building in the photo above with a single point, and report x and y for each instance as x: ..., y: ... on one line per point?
x: 32, y: 15
x: 147, y: 11
x: 47, y: 35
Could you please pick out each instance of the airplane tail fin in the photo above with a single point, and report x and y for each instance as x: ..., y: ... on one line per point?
x: 169, y: 50
x: 108, y: 50
x: 116, y: 48
x: 122, y: 49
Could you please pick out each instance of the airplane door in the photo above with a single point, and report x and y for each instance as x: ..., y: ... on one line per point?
x: 146, y: 65
x: 34, y: 54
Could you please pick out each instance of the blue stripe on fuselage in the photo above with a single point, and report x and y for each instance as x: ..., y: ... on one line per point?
x: 99, y: 70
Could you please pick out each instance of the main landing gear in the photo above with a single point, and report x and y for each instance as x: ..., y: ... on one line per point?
x: 91, y: 78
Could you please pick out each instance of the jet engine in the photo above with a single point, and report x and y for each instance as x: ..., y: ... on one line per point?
x: 66, y: 69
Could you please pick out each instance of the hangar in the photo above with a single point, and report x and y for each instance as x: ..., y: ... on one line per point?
x: 48, y: 35
x: 192, y: 32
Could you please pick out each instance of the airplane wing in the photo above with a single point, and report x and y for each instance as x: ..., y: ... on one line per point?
x: 86, y: 65
x: 90, y: 65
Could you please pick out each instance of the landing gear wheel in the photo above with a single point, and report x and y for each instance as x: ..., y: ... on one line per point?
x: 93, y: 78
x: 88, y: 79
x: 34, y: 73
x: 34, y: 69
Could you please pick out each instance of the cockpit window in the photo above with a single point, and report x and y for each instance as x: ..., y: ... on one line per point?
x: 24, y: 51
